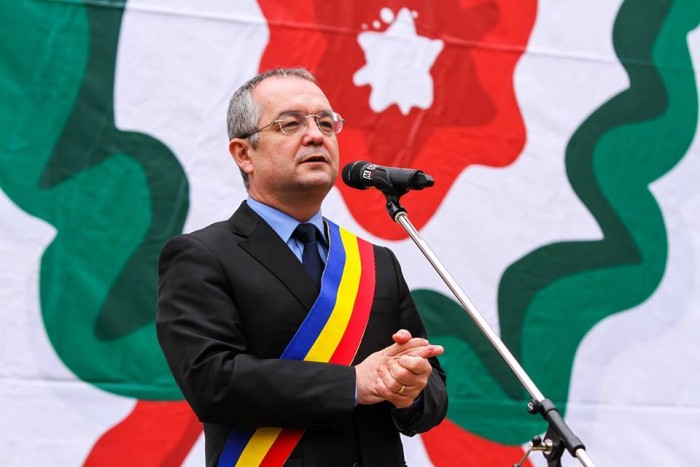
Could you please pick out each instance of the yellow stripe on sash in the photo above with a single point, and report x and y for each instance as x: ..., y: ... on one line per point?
x: 327, y: 341
x: 258, y: 446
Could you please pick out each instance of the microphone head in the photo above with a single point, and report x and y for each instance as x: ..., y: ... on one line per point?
x: 422, y: 180
x: 352, y: 174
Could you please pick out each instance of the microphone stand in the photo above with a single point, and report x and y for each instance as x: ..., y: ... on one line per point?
x: 558, y: 435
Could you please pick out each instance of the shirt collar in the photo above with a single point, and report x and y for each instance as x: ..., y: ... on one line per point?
x: 284, y: 224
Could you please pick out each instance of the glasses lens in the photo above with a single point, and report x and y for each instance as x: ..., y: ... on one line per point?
x: 329, y: 122
x: 291, y: 123
x: 326, y: 123
x: 338, y: 123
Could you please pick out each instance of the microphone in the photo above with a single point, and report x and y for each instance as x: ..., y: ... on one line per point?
x: 388, y: 180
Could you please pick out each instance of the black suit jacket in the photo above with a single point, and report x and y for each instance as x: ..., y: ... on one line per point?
x: 230, y: 298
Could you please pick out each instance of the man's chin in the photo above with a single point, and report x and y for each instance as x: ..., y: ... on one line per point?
x: 318, y: 178
x: 318, y: 184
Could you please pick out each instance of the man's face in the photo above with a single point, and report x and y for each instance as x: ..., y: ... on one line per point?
x: 291, y: 166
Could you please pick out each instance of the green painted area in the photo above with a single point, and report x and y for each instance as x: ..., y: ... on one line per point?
x: 549, y: 299
x: 477, y: 401
x: 114, y: 197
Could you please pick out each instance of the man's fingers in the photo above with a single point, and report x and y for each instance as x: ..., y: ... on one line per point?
x: 396, y: 349
x: 405, y: 371
x: 389, y: 378
x: 425, y: 351
x: 397, y: 373
x: 398, y: 394
x: 415, y: 365
x: 401, y: 336
x: 401, y: 391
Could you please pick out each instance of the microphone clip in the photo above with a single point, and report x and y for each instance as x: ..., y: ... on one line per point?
x: 393, y: 205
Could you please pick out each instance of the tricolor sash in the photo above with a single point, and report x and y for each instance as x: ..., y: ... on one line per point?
x: 331, y: 332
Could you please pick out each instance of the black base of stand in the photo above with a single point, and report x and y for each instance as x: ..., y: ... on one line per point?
x: 558, y: 436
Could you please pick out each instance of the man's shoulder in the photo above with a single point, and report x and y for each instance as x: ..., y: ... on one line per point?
x: 216, y: 229
x: 210, y: 238
x: 235, y: 226
x: 219, y: 234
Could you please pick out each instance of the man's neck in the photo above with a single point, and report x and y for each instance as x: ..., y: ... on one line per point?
x: 301, y: 211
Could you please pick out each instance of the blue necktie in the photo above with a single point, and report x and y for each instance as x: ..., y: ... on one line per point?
x: 309, y: 235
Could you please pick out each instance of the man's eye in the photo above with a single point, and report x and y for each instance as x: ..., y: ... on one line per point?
x: 290, y: 125
x: 326, y: 124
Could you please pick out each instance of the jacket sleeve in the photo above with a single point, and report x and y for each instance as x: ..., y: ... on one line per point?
x: 430, y: 407
x: 201, y: 334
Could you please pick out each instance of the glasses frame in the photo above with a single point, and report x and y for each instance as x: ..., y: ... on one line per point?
x: 316, y: 117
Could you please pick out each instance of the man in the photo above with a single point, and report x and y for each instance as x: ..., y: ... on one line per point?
x: 282, y: 367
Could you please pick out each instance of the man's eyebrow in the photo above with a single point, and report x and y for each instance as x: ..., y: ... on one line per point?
x: 293, y: 111
x: 285, y: 112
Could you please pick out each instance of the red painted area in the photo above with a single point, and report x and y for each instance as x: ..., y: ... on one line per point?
x: 474, y: 118
x: 449, y: 445
x: 153, y: 434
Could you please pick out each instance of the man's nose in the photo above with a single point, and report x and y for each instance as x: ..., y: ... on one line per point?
x: 312, y: 134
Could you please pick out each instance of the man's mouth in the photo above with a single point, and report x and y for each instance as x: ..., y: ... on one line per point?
x: 314, y: 158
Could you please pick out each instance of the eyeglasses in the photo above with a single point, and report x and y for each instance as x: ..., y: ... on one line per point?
x: 293, y: 122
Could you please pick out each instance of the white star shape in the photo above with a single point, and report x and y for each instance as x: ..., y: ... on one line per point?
x: 398, y: 63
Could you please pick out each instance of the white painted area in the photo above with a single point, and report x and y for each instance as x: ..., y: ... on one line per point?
x: 197, y: 455
x: 636, y: 383
x: 178, y: 65
x: 42, y: 404
x: 633, y: 390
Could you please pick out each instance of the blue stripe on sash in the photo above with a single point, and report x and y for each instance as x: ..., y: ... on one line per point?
x: 317, y: 317
x: 236, y: 442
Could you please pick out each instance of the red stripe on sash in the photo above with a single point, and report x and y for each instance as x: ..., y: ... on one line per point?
x: 282, y: 448
x: 350, y: 342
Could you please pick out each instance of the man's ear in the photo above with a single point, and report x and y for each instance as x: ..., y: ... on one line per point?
x: 240, y: 151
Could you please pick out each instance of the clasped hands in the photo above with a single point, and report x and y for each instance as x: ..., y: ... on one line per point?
x: 397, y: 373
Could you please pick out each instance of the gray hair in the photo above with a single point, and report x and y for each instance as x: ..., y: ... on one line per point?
x: 244, y: 112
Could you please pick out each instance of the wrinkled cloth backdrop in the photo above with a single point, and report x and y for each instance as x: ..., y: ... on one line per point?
x: 562, y: 138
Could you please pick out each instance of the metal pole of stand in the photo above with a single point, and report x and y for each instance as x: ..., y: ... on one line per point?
x: 541, y: 405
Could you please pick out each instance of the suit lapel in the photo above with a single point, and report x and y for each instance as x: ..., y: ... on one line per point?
x: 263, y: 244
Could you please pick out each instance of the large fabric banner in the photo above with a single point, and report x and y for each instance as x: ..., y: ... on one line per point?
x: 562, y: 137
